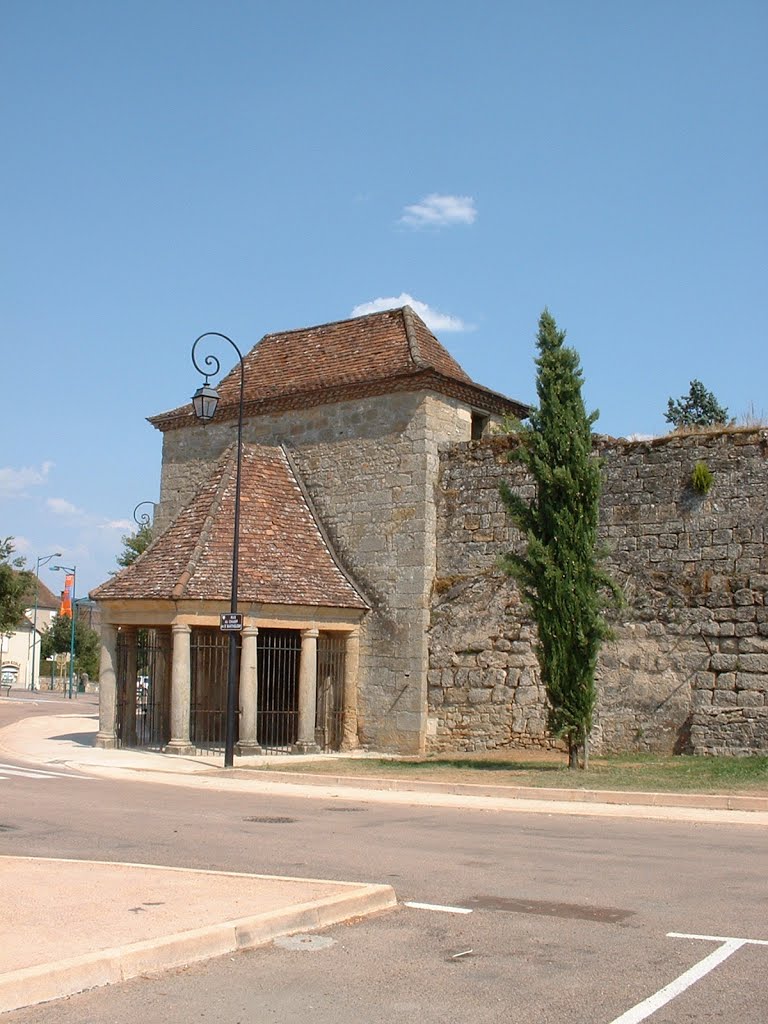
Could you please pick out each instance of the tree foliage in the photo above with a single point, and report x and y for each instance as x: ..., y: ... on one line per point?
x: 134, y: 544
x: 17, y: 587
x: 699, y: 408
x: 558, y: 571
x: 57, y: 639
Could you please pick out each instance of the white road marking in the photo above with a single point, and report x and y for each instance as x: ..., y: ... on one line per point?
x: 438, y: 906
x: 728, y: 947
x: 717, y: 938
x: 33, y: 773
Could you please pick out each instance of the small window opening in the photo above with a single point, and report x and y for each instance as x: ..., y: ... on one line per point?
x: 479, y: 424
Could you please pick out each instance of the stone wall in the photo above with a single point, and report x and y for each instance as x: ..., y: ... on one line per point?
x: 688, y: 667
x: 370, y: 467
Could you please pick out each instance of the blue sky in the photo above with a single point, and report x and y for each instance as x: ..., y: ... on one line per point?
x: 177, y: 166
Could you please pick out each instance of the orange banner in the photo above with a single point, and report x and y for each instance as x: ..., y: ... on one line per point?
x: 65, y: 608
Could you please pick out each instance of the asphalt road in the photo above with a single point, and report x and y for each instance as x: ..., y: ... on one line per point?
x: 569, y: 916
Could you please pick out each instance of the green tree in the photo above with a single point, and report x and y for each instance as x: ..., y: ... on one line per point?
x: 699, y: 408
x: 58, y: 638
x: 134, y: 544
x: 559, y: 571
x: 17, y: 587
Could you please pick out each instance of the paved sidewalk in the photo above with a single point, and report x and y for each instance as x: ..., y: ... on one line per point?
x: 70, y: 925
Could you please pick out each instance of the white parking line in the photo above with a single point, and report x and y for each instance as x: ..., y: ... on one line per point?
x: 728, y: 947
x: 438, y: 906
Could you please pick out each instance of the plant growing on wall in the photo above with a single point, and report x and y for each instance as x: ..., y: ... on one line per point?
x: 701, y: 478
x: 559, y: 572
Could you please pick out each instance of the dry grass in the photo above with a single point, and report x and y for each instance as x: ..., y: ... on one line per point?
x: 548, y: 769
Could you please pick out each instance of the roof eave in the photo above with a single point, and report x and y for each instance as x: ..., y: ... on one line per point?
x: 426, y: 379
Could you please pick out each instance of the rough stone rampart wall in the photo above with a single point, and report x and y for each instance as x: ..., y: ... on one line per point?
x: 688, y: 668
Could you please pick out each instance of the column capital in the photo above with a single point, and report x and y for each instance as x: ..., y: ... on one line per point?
x: 309, y: 633
x: 250, y: 631
x: 180, y: 627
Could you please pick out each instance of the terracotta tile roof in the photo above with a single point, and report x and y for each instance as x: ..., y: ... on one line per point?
x: 389, y: 351
x: 284, y: 557
x: 45, y: 598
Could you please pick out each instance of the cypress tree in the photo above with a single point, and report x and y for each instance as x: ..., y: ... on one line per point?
x: 559, y: 572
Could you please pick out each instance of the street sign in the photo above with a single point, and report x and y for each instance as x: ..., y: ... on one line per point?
x: 231, y: 622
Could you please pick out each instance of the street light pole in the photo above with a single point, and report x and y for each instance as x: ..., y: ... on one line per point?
x: 71, y: 571
x: 204, y: 402
x: 42, y: 560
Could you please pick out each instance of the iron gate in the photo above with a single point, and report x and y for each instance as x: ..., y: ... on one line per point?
x: 209, y: 665
x: 277, y: 658
x: 329, y: 721
x: 143, y: 688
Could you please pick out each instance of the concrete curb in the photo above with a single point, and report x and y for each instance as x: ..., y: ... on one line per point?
x: 710, y: 801
x: 44, y: 982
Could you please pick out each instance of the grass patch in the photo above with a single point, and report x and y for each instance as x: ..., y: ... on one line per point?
x: 640, y: 772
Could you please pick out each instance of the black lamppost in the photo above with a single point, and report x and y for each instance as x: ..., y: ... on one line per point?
x: 204, y: 402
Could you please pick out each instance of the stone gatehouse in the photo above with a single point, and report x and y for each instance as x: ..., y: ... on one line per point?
x: 374, y: 614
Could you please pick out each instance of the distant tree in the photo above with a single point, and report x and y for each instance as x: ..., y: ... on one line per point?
x: 58, y: 638
x: 559, y: 572
x: 17, y: 587
x: 134, y: 544
x: 699, y: 408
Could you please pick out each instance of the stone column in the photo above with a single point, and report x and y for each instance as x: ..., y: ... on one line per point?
x: 249, y: 690
x: 130, y: 636
x: 106, y: 737
x: 180, y: 690
x: 305, y: 742
x: 349, y: 700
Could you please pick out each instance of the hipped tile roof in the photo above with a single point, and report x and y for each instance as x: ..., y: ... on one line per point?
x: 46, y: 599
x: 284, y: 557
x: 369, y: 355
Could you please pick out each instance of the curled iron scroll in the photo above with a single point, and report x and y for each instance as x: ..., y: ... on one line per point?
x: 144, y: 519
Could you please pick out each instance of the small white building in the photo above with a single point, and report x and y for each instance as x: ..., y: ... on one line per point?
x: 20, y: 650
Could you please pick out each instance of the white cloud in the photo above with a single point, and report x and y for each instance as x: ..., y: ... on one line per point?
x: 14, y: 483
x: 117, y: 524
x: 640, y: 437
x: 65, y: 509
x: 436, y: 211
x: 433, y: 318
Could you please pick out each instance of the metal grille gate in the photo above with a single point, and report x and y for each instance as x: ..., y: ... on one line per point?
x: 143, y: 688
x: 209, y: 663
x: 277, y: 655
x: 329, y: 721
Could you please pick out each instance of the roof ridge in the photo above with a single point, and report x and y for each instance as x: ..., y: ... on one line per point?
x: 410, y: 336
x: 205, y: 532
x: 318, y: 522
x: 330, y: 323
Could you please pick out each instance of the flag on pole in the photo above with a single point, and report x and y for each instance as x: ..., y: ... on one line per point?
x: 65, y: 608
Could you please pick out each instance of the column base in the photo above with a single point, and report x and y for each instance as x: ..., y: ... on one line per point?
x: 106, y: 740
x: 244, y: 748
x: 178, y: 747
x: 305, y: 747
